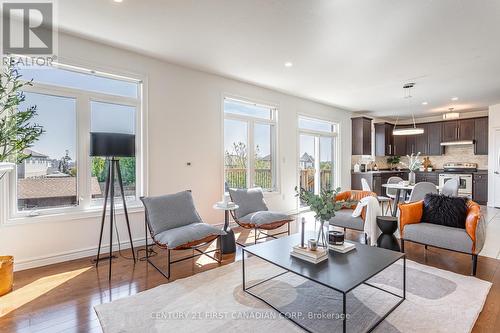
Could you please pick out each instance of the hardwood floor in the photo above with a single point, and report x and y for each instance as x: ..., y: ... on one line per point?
x: 60, y: 297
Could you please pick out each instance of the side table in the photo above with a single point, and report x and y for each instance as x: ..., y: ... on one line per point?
x: 388, y: 225
x: 227, y: 241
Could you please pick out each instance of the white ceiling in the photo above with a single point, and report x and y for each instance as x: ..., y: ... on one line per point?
x: 355, y: 54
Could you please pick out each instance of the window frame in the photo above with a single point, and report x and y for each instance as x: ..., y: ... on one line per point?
x: 83, y: 100
x: 251, y: 121
x: 335, y: 135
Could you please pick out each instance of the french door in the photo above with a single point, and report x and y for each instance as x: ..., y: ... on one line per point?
x: 317, y: 167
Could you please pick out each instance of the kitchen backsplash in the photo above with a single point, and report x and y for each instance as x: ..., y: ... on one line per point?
x: 452, y: 154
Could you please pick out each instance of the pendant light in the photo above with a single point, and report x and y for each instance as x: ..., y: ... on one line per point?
x: 409, y: 130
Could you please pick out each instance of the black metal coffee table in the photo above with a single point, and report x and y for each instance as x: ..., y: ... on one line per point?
x: 341, y: 272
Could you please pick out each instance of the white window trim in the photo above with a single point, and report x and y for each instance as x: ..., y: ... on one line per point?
x: 85, y: 208
x: 251, y: 121
x: 336, y: 148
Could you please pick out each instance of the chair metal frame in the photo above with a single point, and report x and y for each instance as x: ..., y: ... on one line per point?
x: 257, y: 229
x: 195, y: 247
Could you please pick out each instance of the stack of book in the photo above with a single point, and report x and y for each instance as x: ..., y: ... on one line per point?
x: 306, y: 254
x: 344, y: 248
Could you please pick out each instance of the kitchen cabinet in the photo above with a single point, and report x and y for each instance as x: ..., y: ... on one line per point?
x: 466, y: 129
x: 434, y: 147
x: 384, y: 139
x: 361, y: 136
x: 411, y: 145
x: 431, y: 177
x: 480, y: 187
x: 481, y: 136
x: 375, y: 179
x: 399, y: 142
x: 421, y: 143
x: 458, y: 130
x: 450, y: 130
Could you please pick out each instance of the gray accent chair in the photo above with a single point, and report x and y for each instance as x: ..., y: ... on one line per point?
x: 254, y: 214
x: 420, y: 190
x: 469, y: 240
x: 174, y: 224
x: 450, y: 188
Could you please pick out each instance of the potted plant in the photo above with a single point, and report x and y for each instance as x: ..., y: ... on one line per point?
x: 413, y: 165
x: 324, y: 205
x: 392, y: 161
x: 16, y: 134
x: 16, y: 130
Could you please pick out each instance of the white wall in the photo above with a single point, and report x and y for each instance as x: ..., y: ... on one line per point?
x: 493, y: 124
x: 184, y: 125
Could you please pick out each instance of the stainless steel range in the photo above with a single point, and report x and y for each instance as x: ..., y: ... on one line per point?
x: 461, y: 172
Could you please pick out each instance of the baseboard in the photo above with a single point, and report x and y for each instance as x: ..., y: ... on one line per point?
x: 72, y: 255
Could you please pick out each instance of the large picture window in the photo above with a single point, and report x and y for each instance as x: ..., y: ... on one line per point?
x: 59, y: 174
x: 249, y: 145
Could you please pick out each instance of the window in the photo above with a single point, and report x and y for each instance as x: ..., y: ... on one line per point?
x: 59, y: 174
x: 249, y: 145
x: 318, y: 165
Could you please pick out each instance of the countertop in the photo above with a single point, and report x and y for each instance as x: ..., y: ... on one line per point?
x: 406, y: 170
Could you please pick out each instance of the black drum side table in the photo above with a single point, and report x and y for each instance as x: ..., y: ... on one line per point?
x: 388, y: 225
x: 227, y: 242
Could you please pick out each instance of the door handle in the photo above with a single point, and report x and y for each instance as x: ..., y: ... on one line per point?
x: 497, y: 173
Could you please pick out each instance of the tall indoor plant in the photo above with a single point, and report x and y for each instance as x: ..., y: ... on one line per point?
x: 17, y: 132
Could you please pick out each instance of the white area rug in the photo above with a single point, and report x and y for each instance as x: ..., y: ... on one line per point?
x: 213, y: 301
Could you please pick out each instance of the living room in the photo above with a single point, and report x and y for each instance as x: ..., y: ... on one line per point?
x: 221, y: 96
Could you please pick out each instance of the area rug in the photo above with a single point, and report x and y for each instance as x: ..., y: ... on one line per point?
x: 213, y: 301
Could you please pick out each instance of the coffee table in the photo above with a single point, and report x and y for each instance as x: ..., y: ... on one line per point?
x: 342, y: 272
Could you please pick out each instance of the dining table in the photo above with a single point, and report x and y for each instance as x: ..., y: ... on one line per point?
x: 401, y: 190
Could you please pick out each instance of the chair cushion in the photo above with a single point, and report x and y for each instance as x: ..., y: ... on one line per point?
x: 445, y: 210
x: 170, y: 211
x: 432, y: 234
x: 189, y: 233
x: 264, y: 217
x: 250, y: 201
x: 343, y: 218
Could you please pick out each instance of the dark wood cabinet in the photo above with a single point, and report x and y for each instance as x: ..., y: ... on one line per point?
x: 421, y: 143
x: 411, y: 145
x: 480, y: 188
x: 399, y: 142
x: 450, y: 130
x: 384, y: 139
x: 434, y: 147
x: 361, y: 136
x: 466, y: 129
x: 375, y: 180
x: 431, y: 177
x: 481, y: 136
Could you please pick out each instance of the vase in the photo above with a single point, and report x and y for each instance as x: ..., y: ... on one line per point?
x: 322, y: 239
x: 411, y: 177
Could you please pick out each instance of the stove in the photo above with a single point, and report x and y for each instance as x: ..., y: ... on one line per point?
x: 462, y: 172
x: 460, y: 167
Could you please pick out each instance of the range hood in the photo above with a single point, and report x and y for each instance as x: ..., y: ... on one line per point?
x: 457, y: 143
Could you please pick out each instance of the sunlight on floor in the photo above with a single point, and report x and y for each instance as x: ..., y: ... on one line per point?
x: 35, y: 289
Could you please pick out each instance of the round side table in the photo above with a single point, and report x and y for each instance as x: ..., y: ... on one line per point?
x: 227, y: 241
x: 388, y: 225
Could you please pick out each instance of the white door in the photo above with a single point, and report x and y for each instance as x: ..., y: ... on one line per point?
x: 496, y: 170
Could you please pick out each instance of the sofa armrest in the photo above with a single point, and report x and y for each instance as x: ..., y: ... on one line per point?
x: 474, y: 226
x: 410, y: 213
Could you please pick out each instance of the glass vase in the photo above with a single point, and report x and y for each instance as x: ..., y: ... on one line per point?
x: 411, y: 177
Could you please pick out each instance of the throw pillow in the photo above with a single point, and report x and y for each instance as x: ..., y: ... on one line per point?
x: 445, y: 210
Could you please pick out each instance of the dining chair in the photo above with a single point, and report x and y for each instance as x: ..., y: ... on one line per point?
x: 383, y: 201
x: 420, y: 190
x: 450, y: 188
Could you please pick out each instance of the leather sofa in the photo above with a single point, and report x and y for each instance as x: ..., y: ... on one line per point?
x: 469, y: 240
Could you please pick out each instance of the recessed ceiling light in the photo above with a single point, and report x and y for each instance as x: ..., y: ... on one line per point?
x: 118, y: 1
x: 454, y: 98
x: 288, y: 64
x: 425, y: 103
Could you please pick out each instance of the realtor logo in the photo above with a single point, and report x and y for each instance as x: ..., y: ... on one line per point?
x: 28, y: 28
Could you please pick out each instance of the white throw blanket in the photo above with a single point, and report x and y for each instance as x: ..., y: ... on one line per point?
x: 372, y: 211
